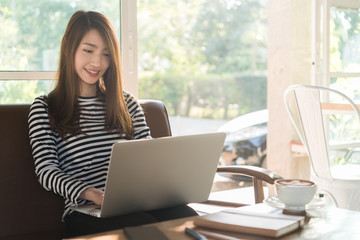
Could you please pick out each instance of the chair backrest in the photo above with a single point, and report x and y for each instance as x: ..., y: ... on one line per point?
x: 317, y: 114
x: 156, y: 117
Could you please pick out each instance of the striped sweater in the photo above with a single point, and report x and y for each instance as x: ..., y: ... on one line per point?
x: 69, y: 167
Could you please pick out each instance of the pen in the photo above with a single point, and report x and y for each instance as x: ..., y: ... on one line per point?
x: 195, y: 234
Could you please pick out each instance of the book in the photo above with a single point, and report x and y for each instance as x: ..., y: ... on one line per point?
x: 271, y: 224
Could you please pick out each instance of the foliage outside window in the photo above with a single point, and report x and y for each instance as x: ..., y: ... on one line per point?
x: 205, y: 59
x: 202, y: 58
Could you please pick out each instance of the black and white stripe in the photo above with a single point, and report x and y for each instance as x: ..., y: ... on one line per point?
x: 69, y: 167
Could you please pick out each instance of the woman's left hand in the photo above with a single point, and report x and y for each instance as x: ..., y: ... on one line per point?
x: 93, y: 194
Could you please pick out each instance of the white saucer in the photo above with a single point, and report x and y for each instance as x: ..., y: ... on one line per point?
x: 314, y: 204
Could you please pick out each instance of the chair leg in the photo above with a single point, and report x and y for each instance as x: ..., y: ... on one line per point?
x: 259, y: 190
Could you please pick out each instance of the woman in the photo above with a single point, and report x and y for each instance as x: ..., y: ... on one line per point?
x: 73, y: 128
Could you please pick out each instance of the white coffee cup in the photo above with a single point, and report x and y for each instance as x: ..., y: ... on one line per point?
x: 295, y: 193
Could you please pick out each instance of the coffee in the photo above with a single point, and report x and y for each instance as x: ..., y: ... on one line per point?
x: 295, y: 182
x: 295, y: 193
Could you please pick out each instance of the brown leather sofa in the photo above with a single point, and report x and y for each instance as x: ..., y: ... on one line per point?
x: 30, y: 212
x: 27, y: 210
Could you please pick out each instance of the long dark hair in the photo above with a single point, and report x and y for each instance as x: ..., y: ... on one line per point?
x: 63, y: 100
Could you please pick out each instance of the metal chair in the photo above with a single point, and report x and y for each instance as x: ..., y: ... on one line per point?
x: 328, y: 124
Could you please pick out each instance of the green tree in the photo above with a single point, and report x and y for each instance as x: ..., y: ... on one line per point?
x: 232, y: 36
x: 205, y: 45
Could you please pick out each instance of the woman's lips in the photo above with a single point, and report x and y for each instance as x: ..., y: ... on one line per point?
x: 92, y: 73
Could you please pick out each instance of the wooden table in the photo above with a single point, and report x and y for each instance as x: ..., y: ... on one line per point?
x: 325, y: 223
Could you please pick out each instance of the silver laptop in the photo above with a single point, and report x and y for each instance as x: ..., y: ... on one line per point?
x: 157, y: 173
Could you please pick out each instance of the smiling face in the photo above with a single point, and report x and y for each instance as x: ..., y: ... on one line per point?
x: 91, y: 62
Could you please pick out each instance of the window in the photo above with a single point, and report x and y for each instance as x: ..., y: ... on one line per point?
x: 206, y: 60
x: 336, y: 61
x: 30, y: 42
x: 336, y: 46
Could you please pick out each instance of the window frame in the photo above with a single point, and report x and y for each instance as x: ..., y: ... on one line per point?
x: 128, y: 38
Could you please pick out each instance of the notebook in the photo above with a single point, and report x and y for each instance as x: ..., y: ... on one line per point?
x: 271, y: 223
x: 156, y: 173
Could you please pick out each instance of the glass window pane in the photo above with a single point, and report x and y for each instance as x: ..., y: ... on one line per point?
x: 23, y: 91
x: 205, y: 59
x: 349, y: 86
x: 34, y: 30
x: 344, y: 39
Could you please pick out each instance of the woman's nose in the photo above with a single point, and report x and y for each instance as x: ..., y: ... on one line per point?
x: 96, y: 60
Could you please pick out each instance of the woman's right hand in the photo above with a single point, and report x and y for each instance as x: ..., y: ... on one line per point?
x: 93, y: 194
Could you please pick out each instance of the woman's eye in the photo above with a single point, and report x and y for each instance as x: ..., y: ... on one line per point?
x: 106, y: 54
x: 87, y: 51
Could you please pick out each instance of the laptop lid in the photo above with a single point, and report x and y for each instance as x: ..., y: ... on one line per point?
x: 157, y: 173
